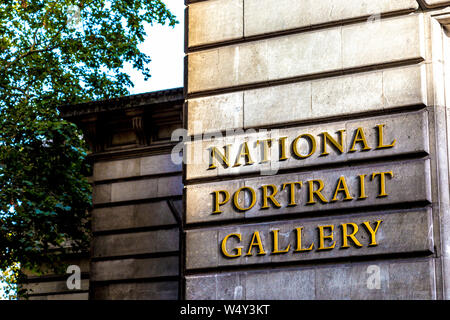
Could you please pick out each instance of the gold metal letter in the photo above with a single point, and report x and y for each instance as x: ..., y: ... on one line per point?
x: 342, y: 187
x: 218, y: 203
x: 292, y: 191
x: 382, y: 182
x: 359, y: 138
x: 372, y: 232
x: 271, y: 197
x: 327, y: 138
x: 313, y: 146
x: 362, y: 187
x: 283, y: 148
x: 322, y: 238
x: 381, y: 144
x: 299, y: 241
x: 224, y: 246
x: 266, y: 145
x: 313, y: 192
x: 236, y: 199
x: 345, y: 235
x: 215, y: 153
x: 276, y: 250
x: 258, y: 243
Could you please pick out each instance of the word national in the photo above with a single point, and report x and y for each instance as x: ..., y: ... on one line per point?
x: 302, y: 147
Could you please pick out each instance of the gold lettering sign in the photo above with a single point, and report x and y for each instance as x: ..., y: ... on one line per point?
x: 329, y: 237
x: 314, y: 189
x: 348, y: 234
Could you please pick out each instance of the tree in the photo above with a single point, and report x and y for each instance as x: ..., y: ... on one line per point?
x: 53, y: 53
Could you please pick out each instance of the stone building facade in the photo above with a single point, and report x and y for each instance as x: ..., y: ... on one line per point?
x: 137, y: 201
x: 316, y: 158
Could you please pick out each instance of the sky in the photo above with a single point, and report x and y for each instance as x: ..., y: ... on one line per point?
x: 165, y: 46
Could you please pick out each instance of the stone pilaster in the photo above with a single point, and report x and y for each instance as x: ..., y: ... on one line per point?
x: 338, y: 115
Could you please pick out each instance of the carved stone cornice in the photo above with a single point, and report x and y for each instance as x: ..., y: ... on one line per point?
x: 130, y: 123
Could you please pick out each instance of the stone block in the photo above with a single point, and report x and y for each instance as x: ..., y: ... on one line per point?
x: 215, y: 21
x: 267, y: 16
x: 296, y: 285
x: 404, y: 86
x: 138, y: 190
x: 128, y: 168
x: 409, y: 280
x: 338, y: 10
x: 201, y: 248
x: 276, y: 105
x: 135, y: 243
x: 389, y: 40
x: 208, y: 288
x: 134, y: 190
x: 134, y: 268
x: 389, y: 233
x: 132, y: 216
x: 170, y: 186
x: 409, y: 131
x: 333, y: 283
x: 347, y: 94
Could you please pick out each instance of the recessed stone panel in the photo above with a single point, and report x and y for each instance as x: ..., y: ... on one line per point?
x: 216, y: 113
x: 385, y: 136
x: 165, y: 290
x: 119, y: 169
x: 348, y: 187
x: 389, y: 40
x: 311, y: 239
x: 138, y: 190
x: 404, y: 280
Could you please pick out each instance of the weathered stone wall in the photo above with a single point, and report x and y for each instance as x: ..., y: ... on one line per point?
x: 137, y: 195
x: 135, y: 251
x: 352, y: 96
